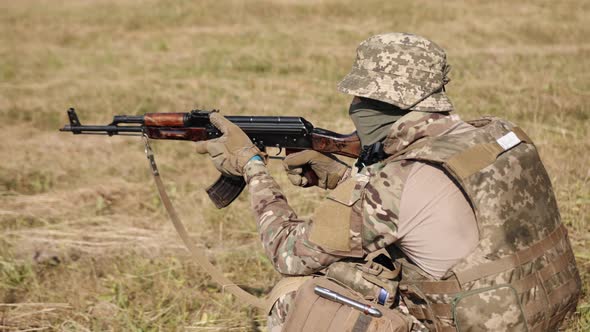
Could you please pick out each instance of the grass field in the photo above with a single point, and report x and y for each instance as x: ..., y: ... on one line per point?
x: 85, y: 243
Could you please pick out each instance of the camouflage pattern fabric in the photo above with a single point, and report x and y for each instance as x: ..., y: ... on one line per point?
x: 285, y: 236
x: 383, y: 192
x: 495, y: 309
x: 279, y: 312
x: 417, y: 326
x: 523, y: 273
x: 539, y: 303
x: 402, y: 69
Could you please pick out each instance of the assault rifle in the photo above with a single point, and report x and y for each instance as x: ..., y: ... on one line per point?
x: 284, y: 132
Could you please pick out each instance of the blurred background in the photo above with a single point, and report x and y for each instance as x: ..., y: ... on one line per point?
x: 85, y: 244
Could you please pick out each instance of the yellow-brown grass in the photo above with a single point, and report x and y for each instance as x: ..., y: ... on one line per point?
x: 85, y: 243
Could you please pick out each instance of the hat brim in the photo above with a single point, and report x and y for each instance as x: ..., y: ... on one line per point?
x: 397, y: 90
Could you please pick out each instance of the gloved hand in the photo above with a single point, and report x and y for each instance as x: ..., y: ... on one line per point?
x: 232, y: 151
x: 329, y: 169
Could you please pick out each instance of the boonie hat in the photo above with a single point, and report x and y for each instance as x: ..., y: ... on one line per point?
x: 402, y: 69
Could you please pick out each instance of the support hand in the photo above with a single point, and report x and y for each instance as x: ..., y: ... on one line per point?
x: 230, y: 152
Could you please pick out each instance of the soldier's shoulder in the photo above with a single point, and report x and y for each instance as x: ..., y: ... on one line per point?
x: 388, y: 177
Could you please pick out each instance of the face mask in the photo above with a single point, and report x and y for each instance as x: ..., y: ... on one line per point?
x: 373, y: 119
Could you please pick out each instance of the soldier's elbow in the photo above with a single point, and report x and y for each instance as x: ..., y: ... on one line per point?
x: 290, y: 265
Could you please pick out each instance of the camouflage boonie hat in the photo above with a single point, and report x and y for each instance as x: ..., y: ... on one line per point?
x: 402, y: 69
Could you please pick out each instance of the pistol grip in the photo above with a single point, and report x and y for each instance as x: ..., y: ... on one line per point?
x: 309, y: 174
x: 225, y: 190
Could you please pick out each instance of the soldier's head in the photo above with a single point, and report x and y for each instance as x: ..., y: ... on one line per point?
x: 395, y: 73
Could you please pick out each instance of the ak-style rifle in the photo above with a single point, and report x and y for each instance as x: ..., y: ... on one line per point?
x: 291, y: 133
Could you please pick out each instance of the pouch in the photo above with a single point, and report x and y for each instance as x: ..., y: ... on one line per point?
x: 337, y: 223
x: 313, y: 313
x: 496, y: 308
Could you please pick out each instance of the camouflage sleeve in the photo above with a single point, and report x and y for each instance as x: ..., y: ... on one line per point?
x: 283, y: 235
x: 381, y: 205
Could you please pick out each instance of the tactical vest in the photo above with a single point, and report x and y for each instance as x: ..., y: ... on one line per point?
x: 522, y: 276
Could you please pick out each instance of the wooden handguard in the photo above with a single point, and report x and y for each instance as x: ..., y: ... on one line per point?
x: 225, y: 190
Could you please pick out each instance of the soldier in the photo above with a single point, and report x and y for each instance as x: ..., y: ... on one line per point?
x: 464, y: 209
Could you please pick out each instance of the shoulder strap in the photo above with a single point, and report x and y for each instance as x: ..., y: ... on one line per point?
x: 479, y: 156
x: 463, y: 163
x: 198, y: 254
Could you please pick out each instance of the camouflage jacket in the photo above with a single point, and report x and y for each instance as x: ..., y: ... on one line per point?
x: 285, y: 236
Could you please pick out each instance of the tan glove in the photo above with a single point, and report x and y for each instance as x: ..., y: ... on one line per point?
x: 329, y: 169
x: 230, y: 152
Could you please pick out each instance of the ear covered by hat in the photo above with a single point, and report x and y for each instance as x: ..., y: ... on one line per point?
x: 402, y: 69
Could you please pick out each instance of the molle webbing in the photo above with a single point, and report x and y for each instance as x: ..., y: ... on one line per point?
x: 311, y: 312
x: 424, y: 313
x: 536, y: 278
x: 450, y: 288
x: 438, y: 287
x: 511, y: 261
x: 523, y: 245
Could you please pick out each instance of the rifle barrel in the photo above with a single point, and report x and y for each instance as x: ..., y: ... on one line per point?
x: 112, y: 130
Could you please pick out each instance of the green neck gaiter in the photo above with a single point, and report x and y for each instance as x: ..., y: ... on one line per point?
x: 373, y: 118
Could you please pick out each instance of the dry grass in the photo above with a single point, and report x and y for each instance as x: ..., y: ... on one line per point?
x: 85, y: 242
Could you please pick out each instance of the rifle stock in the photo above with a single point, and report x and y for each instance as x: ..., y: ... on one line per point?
x: 330, y: 142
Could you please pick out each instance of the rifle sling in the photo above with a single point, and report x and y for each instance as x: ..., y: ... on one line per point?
x: 198, y: 254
